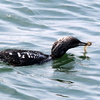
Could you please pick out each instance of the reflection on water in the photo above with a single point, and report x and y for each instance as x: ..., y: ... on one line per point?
x: 67, y: 62
x: 84, y: 56
x: 62, y: 95
x: 35, y: 25
x: 63, y: 81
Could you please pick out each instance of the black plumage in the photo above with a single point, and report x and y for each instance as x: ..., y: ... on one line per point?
x: 23, y: 57
x: 28, y: 57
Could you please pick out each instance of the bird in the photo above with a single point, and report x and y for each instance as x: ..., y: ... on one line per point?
x: 19, y: 57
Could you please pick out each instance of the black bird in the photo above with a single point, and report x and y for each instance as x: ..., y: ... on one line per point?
x: 28, y: 57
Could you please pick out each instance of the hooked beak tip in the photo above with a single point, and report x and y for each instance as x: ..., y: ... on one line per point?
x: 82, y: 44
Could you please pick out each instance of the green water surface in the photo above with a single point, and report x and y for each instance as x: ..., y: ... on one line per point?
x: 36, y: 25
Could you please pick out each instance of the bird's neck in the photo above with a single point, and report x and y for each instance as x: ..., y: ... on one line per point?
x: 57, y: 53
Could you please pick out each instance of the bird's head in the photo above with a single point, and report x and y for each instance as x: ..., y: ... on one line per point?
x: 60, y: 47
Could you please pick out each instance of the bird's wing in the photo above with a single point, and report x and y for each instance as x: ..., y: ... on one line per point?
x: 22, y: 57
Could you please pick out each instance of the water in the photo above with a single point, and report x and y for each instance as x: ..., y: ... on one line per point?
x: 35, y: 25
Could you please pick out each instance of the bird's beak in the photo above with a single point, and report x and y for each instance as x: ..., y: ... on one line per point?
x: 82, y: 44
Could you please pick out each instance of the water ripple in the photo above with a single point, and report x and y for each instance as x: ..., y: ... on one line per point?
x: 36, y: 25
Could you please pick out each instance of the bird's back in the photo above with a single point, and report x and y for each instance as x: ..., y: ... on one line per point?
x: 23, y: 57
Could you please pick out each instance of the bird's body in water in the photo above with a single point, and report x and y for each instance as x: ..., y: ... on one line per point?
x: 23, y: 57
x: 28, y: 57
